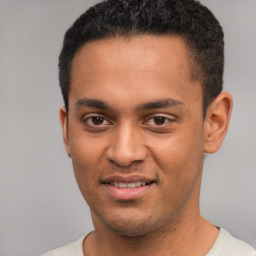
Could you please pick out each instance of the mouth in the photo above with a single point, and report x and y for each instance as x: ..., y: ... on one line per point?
x: 129, y: 185
x: 127, y: 188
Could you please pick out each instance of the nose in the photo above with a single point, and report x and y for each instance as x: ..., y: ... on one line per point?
x: 126, y: 146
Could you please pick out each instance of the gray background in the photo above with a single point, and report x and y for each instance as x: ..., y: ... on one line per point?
x: 41, y: 206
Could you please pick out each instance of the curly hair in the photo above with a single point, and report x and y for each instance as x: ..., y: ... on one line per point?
x: 188, y: 19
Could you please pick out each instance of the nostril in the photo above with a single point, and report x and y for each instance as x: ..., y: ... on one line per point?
x: 127, y: 164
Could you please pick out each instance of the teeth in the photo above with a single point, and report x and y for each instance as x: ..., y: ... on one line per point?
x: 138, y: 184
x: 116, y: 184
x: 128, y: 185
x: 122, y: 185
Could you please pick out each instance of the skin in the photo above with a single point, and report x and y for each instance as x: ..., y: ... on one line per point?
x: 134, y: 110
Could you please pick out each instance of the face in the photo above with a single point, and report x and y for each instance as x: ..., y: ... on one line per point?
x: 135, y: 132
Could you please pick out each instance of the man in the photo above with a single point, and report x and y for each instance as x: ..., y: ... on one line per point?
x: 142, y: 86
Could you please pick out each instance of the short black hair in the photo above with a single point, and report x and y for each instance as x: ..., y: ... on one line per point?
x: 188, y: 19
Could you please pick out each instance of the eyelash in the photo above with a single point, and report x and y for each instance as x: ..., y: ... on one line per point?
x: 164, y: 118
x: 88, y: 122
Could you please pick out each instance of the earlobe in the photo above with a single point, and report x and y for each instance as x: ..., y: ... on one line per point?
x: 64, y: 125
x: 217, y: 122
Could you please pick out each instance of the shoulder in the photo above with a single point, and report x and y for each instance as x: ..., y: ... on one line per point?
x: 74, y: 249
x: 227, y: 245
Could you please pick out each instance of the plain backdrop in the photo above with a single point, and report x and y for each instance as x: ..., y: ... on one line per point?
x: 40, y: 204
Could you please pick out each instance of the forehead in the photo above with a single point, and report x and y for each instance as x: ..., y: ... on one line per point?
x: 149, y: 65
x: 146, y: 52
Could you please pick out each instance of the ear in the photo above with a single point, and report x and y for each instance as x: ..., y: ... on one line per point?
x: 217, y: 121
x: 64, y: 124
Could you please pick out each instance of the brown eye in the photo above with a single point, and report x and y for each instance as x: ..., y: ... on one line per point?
x: 97, y: 120
x: 159, y: 120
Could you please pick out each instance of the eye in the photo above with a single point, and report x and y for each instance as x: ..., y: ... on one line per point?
x: 96, y: 121
x: 158, y: 121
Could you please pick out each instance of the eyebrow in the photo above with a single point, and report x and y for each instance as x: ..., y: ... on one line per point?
x: 94, y: 103
x: 156, y: 104
x: 163, y: 103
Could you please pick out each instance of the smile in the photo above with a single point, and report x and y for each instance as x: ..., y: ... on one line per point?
x: 127, y: 188
x: 129, y: 185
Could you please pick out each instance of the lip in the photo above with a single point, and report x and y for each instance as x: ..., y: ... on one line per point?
x: 126, y: 179
x: 127, y: 194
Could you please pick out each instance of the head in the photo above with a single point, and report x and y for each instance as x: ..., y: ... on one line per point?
x: 188, y: 19
x: 141, y: 82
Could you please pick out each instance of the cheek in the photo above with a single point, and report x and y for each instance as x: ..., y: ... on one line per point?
x: 86, y: 174
x: 85, y: 150
x: 86, y: 154
x: 180, y: 158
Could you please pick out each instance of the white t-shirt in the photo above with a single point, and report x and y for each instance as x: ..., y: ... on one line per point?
x: 225, y: 245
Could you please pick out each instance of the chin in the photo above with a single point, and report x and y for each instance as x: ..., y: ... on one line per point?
x: 129, y: 228
x: 130, y: 224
